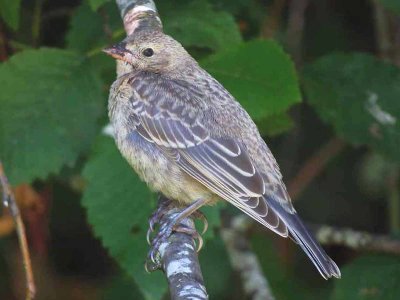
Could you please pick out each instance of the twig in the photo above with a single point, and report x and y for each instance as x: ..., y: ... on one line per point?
x: 394, y: 200
x: 178, y: 255
x: 273, y: 19
x: 3, y: 48
x: 347, y: 237
x: 382, y: 30
x: 296, y: 21
x: 243, y: 259
x: 313, y: 166
x: 9, y: 201
x: 357, y: 240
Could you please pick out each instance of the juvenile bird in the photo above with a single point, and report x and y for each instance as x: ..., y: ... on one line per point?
x: 189, y: 139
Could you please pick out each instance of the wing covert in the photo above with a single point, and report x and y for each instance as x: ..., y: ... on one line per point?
x: 166, y: 118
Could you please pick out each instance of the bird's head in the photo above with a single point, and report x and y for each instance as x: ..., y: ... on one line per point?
x: 151, y: 51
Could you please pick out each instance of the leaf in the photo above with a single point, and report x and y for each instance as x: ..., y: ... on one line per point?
x: 393, y: 5
x: 216, y: 269
x: 359, y: 95
x: 197, y: 24
x: 50, y: 102
x: 95, y: 4
x: 369, y: 277
x: 87, y: 28
x: 259, y: 75
x: 9, y: 12
x: 275, y: 125
x: 118, y: 206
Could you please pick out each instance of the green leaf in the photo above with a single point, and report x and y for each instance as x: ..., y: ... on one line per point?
x: 95, y: 4
x: 50, y: 102
x: 369, y: 277
x: 216, y: 269
x: 260, y: 75
x: 393, y: 5
x: 86, y: 31
x: 9, y: 12
x: 275, y: 125
x: 118, y: 206
x: 197, y: 24
x: 359, y: 95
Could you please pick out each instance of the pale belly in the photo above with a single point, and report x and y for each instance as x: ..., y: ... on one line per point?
x: 161, y: 174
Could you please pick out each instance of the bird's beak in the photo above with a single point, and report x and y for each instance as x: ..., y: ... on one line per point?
x: 118, y: 51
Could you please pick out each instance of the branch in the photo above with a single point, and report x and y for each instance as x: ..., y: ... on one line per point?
x: 296, y: 22
x: 139, y: 14
x: 243, y: 260
x: 178, y: 255
x: 9, y: 201
x: 357, y: 240
x: 313, y: 166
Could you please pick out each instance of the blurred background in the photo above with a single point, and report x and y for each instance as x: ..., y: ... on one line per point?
x: 321, y: 79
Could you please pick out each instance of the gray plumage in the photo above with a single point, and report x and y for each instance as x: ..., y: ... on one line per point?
x: 188, y: 138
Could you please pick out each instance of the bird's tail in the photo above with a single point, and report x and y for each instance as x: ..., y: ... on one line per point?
x: 325, y: 265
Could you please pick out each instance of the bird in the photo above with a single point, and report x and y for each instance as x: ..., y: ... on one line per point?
x: 189, y: 139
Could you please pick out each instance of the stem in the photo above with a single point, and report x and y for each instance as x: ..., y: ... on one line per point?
x: 9, y: 201
x: 394, y: 201
x: 36, y: 21
x: 382, y: 30
x: 244, y: 261
x: 314, y: 165
x: 273, y: 19
x: 296, y: 22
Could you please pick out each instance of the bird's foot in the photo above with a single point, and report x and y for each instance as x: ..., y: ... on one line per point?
x: 168, y: 225
x: 156, y: 218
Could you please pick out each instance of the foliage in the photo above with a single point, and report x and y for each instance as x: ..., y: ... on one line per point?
x: 265, y: 83
x: 54, y: 85
x: 393, y: 5
x: 196, y: 24
x: 118, y: 206
x: 50, y: 103
x: 358, y: 94
x: 360, y: 284
x: 9, y: 11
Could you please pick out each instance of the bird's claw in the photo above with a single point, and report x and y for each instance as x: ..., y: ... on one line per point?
x: 166, y: 228
x: 200, y: 216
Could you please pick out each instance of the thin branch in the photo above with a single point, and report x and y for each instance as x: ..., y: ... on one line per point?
x: 273, y: 19
x: 9, y: 201
x: 314, y: 165
x: 243, y: 259
x: 347, y: 237
x: 178, y: 255
x: 296, y: 22
x: 382, y: 30
x: 357, y: 240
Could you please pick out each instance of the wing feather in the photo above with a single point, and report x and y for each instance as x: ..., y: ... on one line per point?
x: 221, y: 164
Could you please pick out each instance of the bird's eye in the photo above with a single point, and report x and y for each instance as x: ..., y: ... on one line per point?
x: 148, y: 52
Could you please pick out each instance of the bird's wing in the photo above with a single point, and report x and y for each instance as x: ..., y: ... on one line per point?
x: 161, y: 116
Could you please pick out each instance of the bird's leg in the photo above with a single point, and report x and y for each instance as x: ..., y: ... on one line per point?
x: 173, y: 222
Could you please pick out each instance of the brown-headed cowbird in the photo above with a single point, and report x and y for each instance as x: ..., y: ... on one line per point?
x: 189, y: 139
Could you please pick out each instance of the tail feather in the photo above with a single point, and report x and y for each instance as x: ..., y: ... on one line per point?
x: 325, y: 265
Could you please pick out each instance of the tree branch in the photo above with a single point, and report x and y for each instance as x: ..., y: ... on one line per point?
x: 243, y: 260
x: 357, y: 240
x: 314, y: 165
x: 178, y: 255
